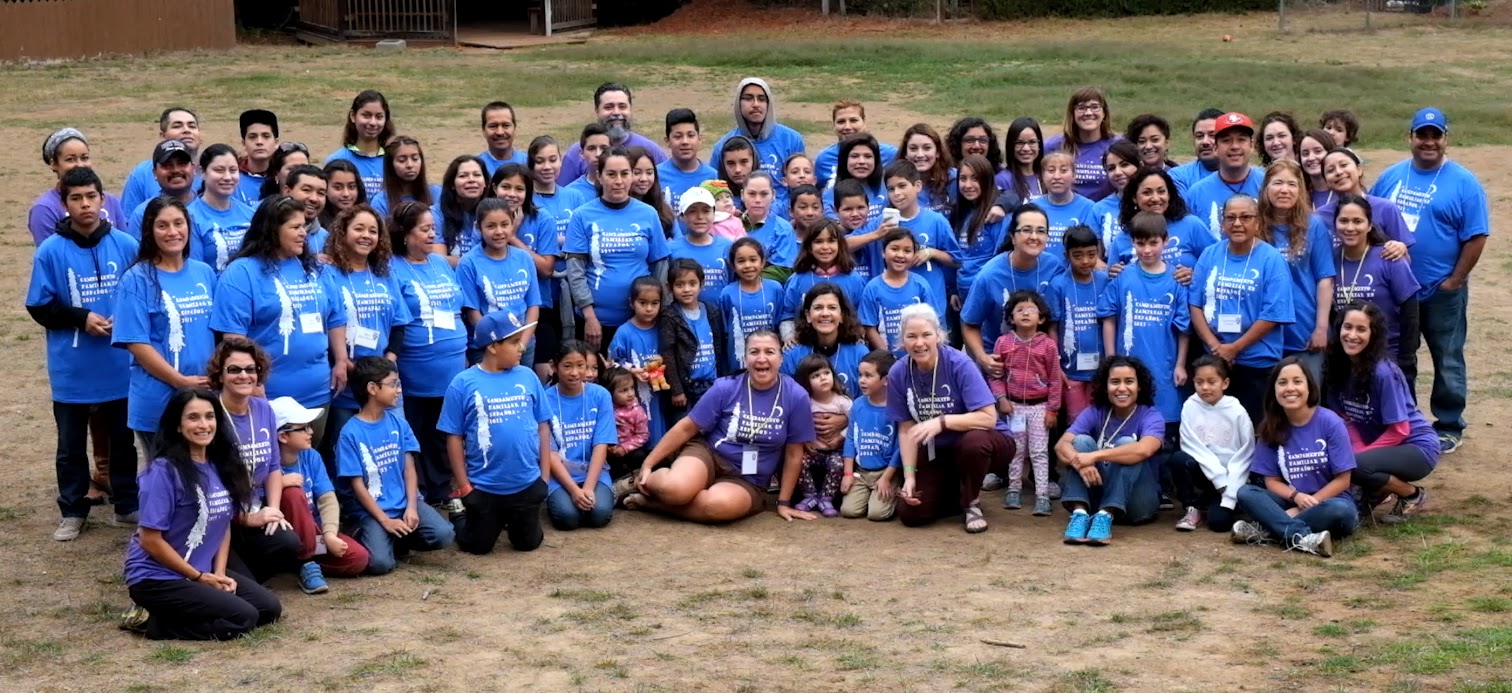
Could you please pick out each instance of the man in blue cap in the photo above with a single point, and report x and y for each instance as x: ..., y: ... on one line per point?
x: 1445, y: 207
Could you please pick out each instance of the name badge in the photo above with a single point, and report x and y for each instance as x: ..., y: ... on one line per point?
x: 444, y: 320
x: 1018, y: 423
x: 748, y: 457
x: 365, y: 337
x: 1228, y: 323
x: 930, y: 449
x: 310, y: 323
x: 1087, y: 362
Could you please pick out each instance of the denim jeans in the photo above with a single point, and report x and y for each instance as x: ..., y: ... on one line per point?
x: 566, y: 516
x: 72, y: 461
x: 1129, y: 490
x: 434, y: 532
x: 1442, y: 317
x: 1337, y: 515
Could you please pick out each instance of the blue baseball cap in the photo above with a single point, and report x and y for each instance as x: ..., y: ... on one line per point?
x: 497, y: 327
x: 1430, y: 118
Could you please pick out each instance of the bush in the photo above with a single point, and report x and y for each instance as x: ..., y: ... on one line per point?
x: 1023, y: 9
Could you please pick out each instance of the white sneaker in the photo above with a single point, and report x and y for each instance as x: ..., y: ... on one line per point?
x: 1317, y: 544
x: 1249, y: 533
x: 68, y: 529
x: 992, y: 482
x: 1190, y: 521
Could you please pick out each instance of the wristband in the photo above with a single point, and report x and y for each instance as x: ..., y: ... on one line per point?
x: 462, y: 490
x: 1293, y: 497
x: 848, y: 474
x: 910, y: 468
x: 784, y: 503
x: 197, y: 577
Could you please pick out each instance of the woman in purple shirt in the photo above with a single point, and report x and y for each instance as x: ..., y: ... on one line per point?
x: 1366, y: 275
x: 1088, y: 132
x: 714, y: 465
x: 64, y: 151
x: 175, y: 567
x: 1393, y: 444
x: 1304, y: 453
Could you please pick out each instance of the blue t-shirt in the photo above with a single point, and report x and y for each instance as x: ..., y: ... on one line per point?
x: 1091, y: 178
x: 171, y: 314
x: 621, y: 245
x: 634, y: 346
x: 712, y: 258
x: 1186, y: 238
x: 1386, y: 283
x: 996, y: 282
x: 581, y: 424
x: 772, y: 150
x: 218, y: 234
x: 705, y: 364
x: 1314, y: 265
x: 491, y: 285
x: 316, y: 482
x: 931, y: 230
x: 1074, y: 308
x: 747, y: 311
x: 435, y: 340
x: 491, y: 163
x: 287, y: 312
x: 142, y: 185
x: 369, y: 168
x: 675, y: 181
x: 1444, y: 209
x: 846, y: 363
x: 1224, y: 284
x: 194, y: 516
x: 733, y: 415
x: 1206, y: 198
x: 798, y: 286
x: 82, y: 368
x: 380, y: 202
x: 881, y: 306
x: 777, y: 238
x: 869, y: 261
x: 373, y: 306
x: 249, y: 188
x: 539, y: 231
x: 1077, y: 210
x: 872, y: 439
x: 559, y: 205
x: 972, y: 256
x: 943, y: 201
x: 1104, y: 221
x: 1312, y: 455
x: 1186, y: 175
x: 1150, y: 312
x: 827, y: 164
x: 375, y: 451
x: 498, y: 415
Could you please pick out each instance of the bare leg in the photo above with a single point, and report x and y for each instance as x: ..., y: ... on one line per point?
x: 720, y: 503
x: 679, y: 484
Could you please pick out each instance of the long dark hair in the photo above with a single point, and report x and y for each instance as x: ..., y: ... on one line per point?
x: 394, y: 187
x: 261, y: 241
x: 1274, y: 426
x: 349, y: 133
x: 958, y: 132
x: 222, y: 453
x: 1375, y: 236
x: 937, y: 179
x: 528, y: 207
x: 1175, y: 210
x: 1142, y: 378
x: 209, y: 154
x: 271, y: 185
x: 966, y: 217
x: 336, y: 248
x: 329, y: 212
x: 148, y: 253
x: 1353, y: 375
x: 842, y: 169
x: 850, y: 326
x: 655, y: 197
x: 845, y: 262
x: 1013, y: 217
x: 454, y: 210
x: 1010, y: 142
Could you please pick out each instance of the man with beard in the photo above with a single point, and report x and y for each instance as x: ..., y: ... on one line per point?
x: 611, y: 105
x: 173, y: 167
x: 756, y: 119
x: 1203, y: 140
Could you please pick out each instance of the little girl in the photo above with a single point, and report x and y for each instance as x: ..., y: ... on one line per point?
x: 823, y: 257
x: 805, y: 209
x: 637, y: 345
x: 1217, y: 441
x: 692, y: 335
x: 831, y: 407
x: 886, y: 296
x: 631, y: 425
x: 1063, y: 207
x: 726, y: 216
x: 751, y: 303
x: 499, y: 276
x: 797, y: 171
x: 1028, y: 393
x: 583, y: 428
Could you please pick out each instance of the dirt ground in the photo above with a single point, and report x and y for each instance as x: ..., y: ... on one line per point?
x: 650, y: 604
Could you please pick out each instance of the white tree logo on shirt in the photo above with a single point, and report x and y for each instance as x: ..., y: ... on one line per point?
x: 370, y: 467
x: 485, y: 435
x: 1128, y: 335
x: 354, y: 320
x: 75, y: 299
x: 427, y: 311
x: 175, y: 328
x: 596, y: 252
x: 285, y: 313
x: 1210, y: 306
x: 201, y: 521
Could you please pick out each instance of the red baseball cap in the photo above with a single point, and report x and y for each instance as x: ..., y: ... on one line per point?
x: 1233, y: 119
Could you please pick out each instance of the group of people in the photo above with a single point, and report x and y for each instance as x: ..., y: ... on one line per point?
x: 329, y: 367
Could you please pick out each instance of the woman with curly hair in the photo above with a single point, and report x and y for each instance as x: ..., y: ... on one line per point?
x: 827, y: 324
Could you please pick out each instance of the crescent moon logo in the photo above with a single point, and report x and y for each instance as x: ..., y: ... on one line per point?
x: 112, y: 264
x: 203, y: 289
x: 265, y: 432
x: 844, y: 378
x: 946, y: 389
x: 1175, y: 242
x: 1322, y: 444
x: 522, y: 389
x: 635, y: 227
x: 1254, y: 273
x: 777, y: 411
x: 1369, y: 280
x: 523, y: 274
x: 891, y: 430
x: 1170, y: 298
x: 721, y: 262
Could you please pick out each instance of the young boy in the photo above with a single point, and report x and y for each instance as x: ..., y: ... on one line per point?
x: 259, y: 133
x: 376, y: 454
x: 736, y: 161
x: 593, y: 142
x: 1073, y: 305
x: 1144, y: 314
x: 683, y: 171
x: 871, y: 445
x: 696, y: 206
x: 937, y: 243
x: 309, y: 502
x: 497, y: 420
x: 848, y: 118
x: 774, y: 232
x: 1343, y: 125
x: 852, y: 210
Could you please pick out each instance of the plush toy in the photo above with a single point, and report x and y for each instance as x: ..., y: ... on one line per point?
x: 656, y: 374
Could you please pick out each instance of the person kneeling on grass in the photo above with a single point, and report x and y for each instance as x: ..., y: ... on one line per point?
x: 1108, y: 448
x: 497, y: 419
x: 376, y: 455
x: 309, y: 502
x: 176, y: 562
x: 1304, y: 453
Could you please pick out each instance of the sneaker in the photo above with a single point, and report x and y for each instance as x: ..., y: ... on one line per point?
x: 68, y: 529
x: 1076, y: 529
x: 1041, y: 506
x: 1166, y: 503
x: 808, y: 504
x: 827, y: 508
x: 127, y: 520
x: 1013, y: 500
x: 1101, y: 532
x: 1190, y: 521
x: 311, y: 580
x: 1317, y: 544
x: 134, y: 620
x: 992, y: 482
x: 454, y: 508
x: 622, y: 488
x: 1449, y: 442
x: 1245, y: 532
x: 1405, y: 508
x: 1054, y: 492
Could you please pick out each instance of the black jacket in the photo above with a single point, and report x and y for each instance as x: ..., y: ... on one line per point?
x: 679, y: 345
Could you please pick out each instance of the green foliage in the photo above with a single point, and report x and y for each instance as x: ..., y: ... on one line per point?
x: 1022, y: 9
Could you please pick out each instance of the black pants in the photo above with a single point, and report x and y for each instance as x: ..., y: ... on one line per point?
x: 1195, y: 490
x: 72, y: 461
x: 606, y: 339
x: 1373, y: 468
x: 263, y: 556
x: 1247, y: 384
x: 624, y: 465
x: 433, y: 468
x: 184, y: 610
x: 489, y: 515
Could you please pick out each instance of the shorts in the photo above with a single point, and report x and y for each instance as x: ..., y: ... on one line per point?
x: 721, y: 472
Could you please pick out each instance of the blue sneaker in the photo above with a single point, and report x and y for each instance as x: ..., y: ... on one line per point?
x: 1076, y: 529
x: 1013, y: 500
x: 1449, y: 443
x: 1042, y: 505
x: 311, y: 580
x: 1101, y: 533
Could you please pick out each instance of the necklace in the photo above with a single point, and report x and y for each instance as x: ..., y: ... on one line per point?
x: 1102, y: 438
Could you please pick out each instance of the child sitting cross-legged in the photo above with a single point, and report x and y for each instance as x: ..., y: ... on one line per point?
x: 309, y: 502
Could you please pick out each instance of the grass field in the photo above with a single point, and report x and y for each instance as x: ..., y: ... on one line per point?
x: 649, y: 604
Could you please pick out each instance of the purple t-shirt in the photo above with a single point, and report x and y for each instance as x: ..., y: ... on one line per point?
x: 954, y: 386
x: 733, y: 416
x: 48, y: 210
x: 256, y: 436
x: 1091, y: 178
x: 1374, y: 279
x: 193, y: 517
x: 1383, y: 212
x: 1387, y: 401
x: 1102, y: 425
x: 573, y: 166
x: 1313, y: 454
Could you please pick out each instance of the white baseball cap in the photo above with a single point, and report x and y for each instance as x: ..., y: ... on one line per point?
x: 287, y: 410
x: 692, y: 197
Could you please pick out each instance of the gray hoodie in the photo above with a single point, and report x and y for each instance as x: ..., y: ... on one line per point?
x: 771, y: 115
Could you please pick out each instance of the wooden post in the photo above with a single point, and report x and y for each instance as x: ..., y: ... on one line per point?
x: 1280, y: 14
x: 939, y: 11
x: 824, y: 7
x: 546, y: 15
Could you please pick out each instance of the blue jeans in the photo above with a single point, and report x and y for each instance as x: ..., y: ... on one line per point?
x: 1442, y: 317
x: 434, y: 532
x: 1130, y: 491
x: 566, y: 516
x: 1336, y: 515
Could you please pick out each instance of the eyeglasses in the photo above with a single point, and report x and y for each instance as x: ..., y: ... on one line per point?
x: 976, y: 140
x: 1033, y: 230
x: 238, y: 370
x: 1239, y: 218
x: 287, y: 147
x: 1026, y: 144
x: 1089, y: 108
x: 300, y: 428
x: 391, y: 383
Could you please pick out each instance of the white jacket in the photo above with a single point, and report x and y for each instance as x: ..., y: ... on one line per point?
x: 1222, y: 440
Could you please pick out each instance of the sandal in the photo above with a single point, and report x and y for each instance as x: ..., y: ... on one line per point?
x: 976, y: 523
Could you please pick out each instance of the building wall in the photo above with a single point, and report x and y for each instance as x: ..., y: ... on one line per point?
x: 39, y: 29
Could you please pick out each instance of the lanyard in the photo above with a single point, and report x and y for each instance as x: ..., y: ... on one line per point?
x: 933, y: 380
x: 1348, y: 290
x: 1102, y: 437
x: 251, y: 460
x: 1243, y: 274
x: 1013, y: 274
x: 751, y: 410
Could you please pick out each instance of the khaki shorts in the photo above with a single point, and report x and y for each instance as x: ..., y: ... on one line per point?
x: 722, y: 473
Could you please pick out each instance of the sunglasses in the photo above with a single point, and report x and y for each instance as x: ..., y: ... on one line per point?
x: 238, y: 370
x: 287, y: 147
